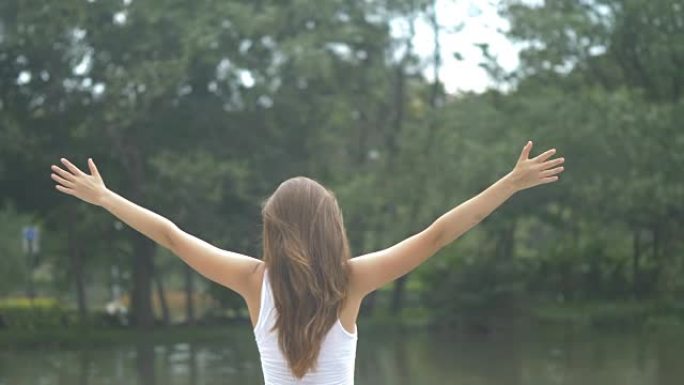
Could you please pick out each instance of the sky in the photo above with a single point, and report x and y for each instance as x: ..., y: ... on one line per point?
x: 482, y: 24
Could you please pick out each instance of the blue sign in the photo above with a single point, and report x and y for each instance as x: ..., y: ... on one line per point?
x: 30, y: 233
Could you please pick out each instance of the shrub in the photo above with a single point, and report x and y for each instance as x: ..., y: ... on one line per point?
x: 41, y: 313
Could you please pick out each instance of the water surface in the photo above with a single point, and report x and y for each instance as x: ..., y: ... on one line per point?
x: 383, y: 357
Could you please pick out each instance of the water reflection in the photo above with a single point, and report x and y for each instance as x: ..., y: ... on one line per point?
x: 84, y: 365
x: 144, y: 363
x: 192, y: 364
x: 383, y: 357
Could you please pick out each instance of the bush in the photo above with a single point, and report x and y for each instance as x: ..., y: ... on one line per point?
x: 481, y: 293
x: 41, y: 313
x: 48, y: 313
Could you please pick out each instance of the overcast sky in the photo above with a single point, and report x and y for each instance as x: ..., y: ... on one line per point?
x: 482, y: 24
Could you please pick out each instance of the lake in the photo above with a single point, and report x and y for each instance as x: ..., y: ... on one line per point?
x: 383, y: 357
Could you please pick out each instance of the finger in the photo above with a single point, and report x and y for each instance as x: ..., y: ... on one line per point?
x: 544, y: 156
x: 64, y: 189
x: 551, y: 172
x: 549, y: 179
x: 71, y: 167
x: 526, y: 150
x: 62, y: 180
x: 93, y: 168
x: 553, y: 162
x: 65, y: 174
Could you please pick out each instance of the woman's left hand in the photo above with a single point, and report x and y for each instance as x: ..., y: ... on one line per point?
x: 89, y: 188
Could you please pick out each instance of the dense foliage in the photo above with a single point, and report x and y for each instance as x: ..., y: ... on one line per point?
x: 198, y: 109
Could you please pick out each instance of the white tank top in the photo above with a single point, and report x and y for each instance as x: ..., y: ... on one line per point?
x: 336, y: 359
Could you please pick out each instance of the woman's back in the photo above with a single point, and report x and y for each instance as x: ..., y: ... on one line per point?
x: 336, y: 360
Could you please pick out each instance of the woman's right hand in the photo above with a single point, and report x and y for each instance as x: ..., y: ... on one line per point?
x: 89, y: 188
x: 538, y: 170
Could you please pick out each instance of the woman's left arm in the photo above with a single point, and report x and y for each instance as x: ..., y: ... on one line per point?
x: 227, y: 268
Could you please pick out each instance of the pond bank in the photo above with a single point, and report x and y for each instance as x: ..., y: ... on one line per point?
x: 627, y: 316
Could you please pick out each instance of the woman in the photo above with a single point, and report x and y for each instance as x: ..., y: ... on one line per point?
x: 304, y: 296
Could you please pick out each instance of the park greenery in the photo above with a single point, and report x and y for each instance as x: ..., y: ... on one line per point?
x: 197, y: 110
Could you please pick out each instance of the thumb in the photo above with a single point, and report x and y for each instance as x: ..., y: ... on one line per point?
x: 526, y: 151
x: 93, y: 168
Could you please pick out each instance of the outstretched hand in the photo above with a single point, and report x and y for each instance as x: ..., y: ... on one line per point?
x: 89, y: 188
x: 538, y: 170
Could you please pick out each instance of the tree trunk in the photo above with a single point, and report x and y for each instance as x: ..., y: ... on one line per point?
x: 129, y: 152
x: 657, y: 262
x: 506, y: 241
x: 189, y: 296
x: 398, y: 294
x: 77, y: 265
x: 161, y: 295
x: 399, y: 290
x: 141, y: 301
x: 76, y: 257
x: 399, y: 92
x: 661, y: 279
x: 636, y: 269
x: 143, y: 248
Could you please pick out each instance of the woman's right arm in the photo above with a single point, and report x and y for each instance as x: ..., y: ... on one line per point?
x: 373, y: 270
x: 228, y: 268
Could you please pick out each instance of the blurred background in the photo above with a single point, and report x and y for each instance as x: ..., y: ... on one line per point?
x: 405, y: 108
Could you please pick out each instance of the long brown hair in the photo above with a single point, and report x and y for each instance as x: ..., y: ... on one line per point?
x: 305, y: 250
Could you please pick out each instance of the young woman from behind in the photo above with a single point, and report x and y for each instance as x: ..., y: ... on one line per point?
x: 304, y: 294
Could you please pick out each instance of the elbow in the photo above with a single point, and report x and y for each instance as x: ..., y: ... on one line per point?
x: 169, y: 236
x: 436, y: 237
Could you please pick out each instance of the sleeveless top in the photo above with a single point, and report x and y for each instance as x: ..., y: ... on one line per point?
x: 336, y: 359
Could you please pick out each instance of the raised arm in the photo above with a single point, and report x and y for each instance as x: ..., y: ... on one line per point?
x: 373, y: 270
x: 227, y: 268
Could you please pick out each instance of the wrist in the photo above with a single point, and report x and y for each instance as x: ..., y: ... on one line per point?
x: 511, y: 183
x: 105, y: 198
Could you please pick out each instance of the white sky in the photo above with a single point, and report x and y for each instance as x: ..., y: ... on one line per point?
x: 482, y: 24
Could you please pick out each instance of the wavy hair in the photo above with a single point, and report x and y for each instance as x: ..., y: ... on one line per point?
x: 305, y: 249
